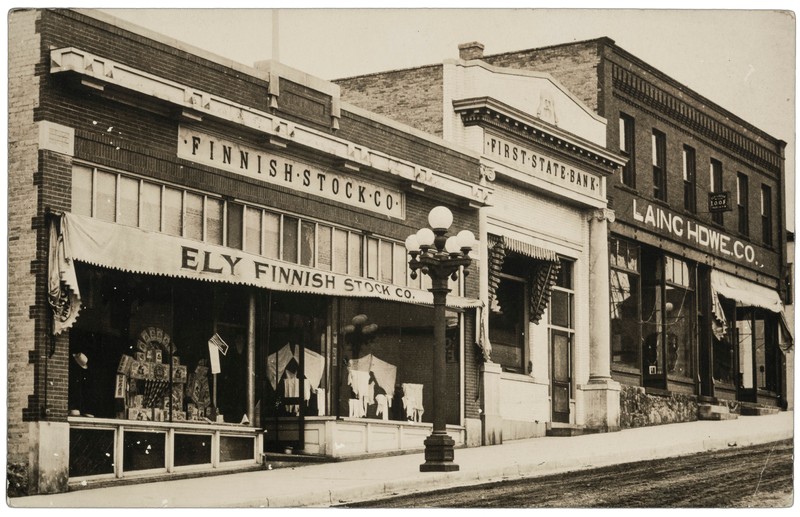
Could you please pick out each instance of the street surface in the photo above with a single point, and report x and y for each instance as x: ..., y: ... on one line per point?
x: 739, y: 477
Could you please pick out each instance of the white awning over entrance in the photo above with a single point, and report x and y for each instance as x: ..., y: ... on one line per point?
x: 745, y: 292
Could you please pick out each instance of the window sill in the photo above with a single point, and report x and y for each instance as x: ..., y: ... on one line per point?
x: 626, y: 188
x: 620, y: 368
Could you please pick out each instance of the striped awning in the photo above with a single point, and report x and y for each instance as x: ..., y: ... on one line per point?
x: 541, y: 277
x: 524, y: 248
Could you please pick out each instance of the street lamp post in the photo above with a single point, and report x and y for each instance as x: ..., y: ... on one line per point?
x: 440, y: 257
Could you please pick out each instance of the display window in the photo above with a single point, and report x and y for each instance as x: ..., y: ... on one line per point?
x: 140, y: 351
x: 386, y: 351
x: 668, y: 318
x: 757, y: 350
x: 625, y: 301
x: 723, y: 336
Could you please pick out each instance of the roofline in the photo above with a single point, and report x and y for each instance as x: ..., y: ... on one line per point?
x: 708, y: 103
x: 533, y: 74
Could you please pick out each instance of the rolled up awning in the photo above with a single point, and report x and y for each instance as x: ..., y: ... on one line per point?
x: 134, y: 250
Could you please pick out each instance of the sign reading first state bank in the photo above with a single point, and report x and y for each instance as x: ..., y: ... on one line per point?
x: 539, y: 165
x: 278, y: 170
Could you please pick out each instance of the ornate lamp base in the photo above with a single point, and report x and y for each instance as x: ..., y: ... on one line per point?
x: 439, y: 454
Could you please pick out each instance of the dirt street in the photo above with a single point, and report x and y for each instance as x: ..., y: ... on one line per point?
x: 758, y: 476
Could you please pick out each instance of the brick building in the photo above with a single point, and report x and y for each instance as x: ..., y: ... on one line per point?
x: 698, y: 260
x: 544, y: 150
x: 201, y: 251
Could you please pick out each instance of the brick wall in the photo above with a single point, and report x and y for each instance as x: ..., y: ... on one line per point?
x: 574, y: 65
x: 413, y: 96
x: 23, y: 53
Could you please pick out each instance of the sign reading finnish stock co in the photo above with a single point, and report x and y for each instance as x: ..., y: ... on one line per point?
x: 539, y: 165
x: 278, y: 170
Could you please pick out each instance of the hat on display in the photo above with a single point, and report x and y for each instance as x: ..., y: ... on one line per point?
x: 81, y: 360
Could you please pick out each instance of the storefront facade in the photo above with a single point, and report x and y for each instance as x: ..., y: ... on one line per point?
x: 698, y: 258
x: 677, y: 340
x: 544, y: 330
x: 219, y: 265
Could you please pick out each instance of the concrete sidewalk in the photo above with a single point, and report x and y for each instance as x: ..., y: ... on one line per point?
x: 328, y: 484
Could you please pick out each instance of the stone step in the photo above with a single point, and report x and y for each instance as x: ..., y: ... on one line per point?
x: 569, y: 430
x: 759, y: 410
x: 714, y: 412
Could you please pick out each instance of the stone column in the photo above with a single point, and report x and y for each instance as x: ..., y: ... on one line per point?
x: 601, y: 394
x: 490, y: 404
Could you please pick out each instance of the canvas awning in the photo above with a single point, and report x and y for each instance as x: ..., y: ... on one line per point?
x: 747, y: 294
x: 125, y: 248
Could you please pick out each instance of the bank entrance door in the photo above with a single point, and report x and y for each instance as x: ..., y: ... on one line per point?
x: 561, y: 381
x: 562, y: 330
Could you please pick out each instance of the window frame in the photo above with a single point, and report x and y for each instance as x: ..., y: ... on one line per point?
x: 742, y: 203
x: 84, y: 202
x: 689, y: 179
x: 766, y: 215
x: 716, y: 178
x: 659, y: 149
x: 627, y: 148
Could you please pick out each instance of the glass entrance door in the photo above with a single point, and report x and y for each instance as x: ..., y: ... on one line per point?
x: 562, y: 383
x: 294, y: 371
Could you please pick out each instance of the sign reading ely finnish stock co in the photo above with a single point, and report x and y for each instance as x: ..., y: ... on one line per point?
x: 278, y: 170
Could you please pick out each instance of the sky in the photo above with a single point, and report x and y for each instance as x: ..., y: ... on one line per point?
x: 743, y: 60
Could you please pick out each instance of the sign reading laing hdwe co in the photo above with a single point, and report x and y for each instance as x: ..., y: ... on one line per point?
x: 277, y: 170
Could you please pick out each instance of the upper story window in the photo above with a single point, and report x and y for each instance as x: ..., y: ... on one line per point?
x: 715, y: 173
x: 742, y: 196
x: 627, y: 146
x: 689, y: 180
x: 766, y: 215
x: 659, y: 141
x: 156, y: 207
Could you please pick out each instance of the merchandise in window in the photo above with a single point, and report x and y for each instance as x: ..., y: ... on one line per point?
x: 387, y: 350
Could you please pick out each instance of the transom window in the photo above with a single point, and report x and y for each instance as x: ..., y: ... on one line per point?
x: 151, y: 206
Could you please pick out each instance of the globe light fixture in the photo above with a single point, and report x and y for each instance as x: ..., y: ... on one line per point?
x: 440, y: 257
x: 440, y: 218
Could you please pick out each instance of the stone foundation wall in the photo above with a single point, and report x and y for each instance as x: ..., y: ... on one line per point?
x: 639, y: 409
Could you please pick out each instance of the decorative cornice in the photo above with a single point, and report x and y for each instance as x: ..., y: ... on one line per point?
x: 686, y: 115
x: 490, y: 112
x: 99, y: 72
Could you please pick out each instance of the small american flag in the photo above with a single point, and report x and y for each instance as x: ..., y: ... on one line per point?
x: 219, y: 343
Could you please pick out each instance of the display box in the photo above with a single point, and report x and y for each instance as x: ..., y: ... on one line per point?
x: 139, y: 414
x: 120, y: 386
x: 141, y: 356
x: 154, y: 355
x: 178, y: 416
x: 179, y: 374
x: 140, y: 370
x: 138, y: 401
x: 161, y: 372
x: 176, y: 361
x: 124, y: 366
